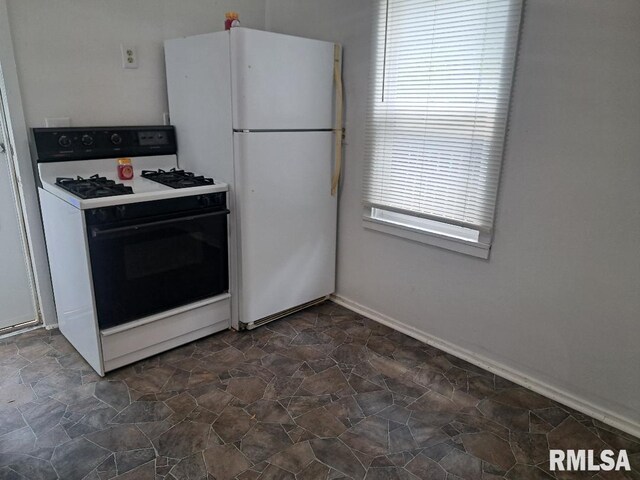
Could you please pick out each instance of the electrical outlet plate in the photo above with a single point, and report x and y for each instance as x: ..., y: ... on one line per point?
x: 165, y: 119
x: 129, y: 56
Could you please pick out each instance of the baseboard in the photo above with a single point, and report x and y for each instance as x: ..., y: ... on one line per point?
x: 21, y: 330
x: 511, y: 374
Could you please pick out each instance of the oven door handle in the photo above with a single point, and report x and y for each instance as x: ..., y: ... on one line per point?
x: 97, y: 232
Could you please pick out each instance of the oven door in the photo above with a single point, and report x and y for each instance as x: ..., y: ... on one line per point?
x: 151, y: 265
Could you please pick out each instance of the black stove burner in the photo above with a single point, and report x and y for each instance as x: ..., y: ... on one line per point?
x: 176, y: 178
x: 93, y: 187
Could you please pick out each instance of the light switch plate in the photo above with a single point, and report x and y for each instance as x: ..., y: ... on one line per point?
x: 129, y: 56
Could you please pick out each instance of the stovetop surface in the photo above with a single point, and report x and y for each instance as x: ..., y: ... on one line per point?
x: 144, y: 189
x: 175, y: 178
x: 93, y: 187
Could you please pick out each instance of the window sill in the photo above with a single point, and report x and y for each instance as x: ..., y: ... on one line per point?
x: 474, y: 249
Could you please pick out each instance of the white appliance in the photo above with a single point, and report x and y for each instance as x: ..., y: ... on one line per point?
x: 138, y: 266
x: 255, y: 109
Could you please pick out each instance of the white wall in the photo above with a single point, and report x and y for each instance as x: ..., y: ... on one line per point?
x: 559, y: 299
x: 69, y: 60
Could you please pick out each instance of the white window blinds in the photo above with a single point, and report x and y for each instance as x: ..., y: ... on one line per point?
x: 438, y: 110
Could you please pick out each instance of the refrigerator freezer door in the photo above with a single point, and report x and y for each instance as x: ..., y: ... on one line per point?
x: 280, y: 82
x: 287, y: 220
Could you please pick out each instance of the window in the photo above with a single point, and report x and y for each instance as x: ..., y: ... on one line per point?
x: 437, y: 118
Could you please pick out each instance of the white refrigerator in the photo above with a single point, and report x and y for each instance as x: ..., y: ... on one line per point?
x: 255, y: 110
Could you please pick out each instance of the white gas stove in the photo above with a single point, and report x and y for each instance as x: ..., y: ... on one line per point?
x: 138, y: 265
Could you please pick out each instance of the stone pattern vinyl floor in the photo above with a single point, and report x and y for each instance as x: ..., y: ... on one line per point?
x: 322, y: 394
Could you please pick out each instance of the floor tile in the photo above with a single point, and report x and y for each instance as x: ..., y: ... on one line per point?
x: 322, y: 394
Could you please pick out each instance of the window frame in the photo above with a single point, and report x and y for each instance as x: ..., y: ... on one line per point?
x: 439, y: 232
x: 433, y: 236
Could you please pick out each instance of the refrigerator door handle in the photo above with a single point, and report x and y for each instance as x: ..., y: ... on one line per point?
x: 339, y: 131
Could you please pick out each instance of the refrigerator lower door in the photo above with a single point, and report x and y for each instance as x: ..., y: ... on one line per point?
x: 286, y: 220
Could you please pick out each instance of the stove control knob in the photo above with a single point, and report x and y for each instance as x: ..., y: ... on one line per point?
x: 64, y: 141
x: 204, y: 201
x: 116, y: 139
x: 87, y: 140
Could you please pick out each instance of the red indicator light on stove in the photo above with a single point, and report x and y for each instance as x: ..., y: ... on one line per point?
x: 125, y: 169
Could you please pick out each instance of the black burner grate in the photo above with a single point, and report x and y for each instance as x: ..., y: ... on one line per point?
x: 176, y: 178
x: 93, y: 187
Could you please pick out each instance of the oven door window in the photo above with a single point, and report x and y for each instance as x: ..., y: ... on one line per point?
x: 147, y: 268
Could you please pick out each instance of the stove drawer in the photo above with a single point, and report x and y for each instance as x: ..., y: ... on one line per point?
x: 133, y: 341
